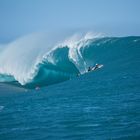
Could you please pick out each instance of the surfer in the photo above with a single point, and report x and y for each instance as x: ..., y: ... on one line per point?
x: 96, y: 67
x: 93, y: 68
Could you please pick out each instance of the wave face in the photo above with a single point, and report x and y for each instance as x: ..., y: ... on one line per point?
x: 31, y: 61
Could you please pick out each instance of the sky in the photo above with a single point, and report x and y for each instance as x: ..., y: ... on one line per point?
x: 110, y: 17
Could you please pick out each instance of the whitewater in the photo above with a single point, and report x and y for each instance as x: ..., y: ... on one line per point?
x: 41, y: 60
x: 36, y: 59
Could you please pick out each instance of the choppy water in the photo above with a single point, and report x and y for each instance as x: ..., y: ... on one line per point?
x: 101, y: 105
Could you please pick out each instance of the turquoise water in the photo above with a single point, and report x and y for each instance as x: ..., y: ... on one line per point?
x: 100, y: 105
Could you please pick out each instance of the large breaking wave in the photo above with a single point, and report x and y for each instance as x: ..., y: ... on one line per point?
x: 38, y: 60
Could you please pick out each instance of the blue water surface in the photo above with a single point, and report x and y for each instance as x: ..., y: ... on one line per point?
x: 100, y: 105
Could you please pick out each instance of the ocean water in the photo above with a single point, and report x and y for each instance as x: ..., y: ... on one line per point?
x: 43, y: 98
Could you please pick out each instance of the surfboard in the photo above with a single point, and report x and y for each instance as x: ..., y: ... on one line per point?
x: 99, y: 66
x: 93, y: 69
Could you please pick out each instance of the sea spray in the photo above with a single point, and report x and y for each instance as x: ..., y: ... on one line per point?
x: 37, y: 60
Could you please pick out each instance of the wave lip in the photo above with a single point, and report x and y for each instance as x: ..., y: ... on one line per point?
x: 32, y: 60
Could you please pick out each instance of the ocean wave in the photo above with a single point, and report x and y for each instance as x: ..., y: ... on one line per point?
x: 34, y: 61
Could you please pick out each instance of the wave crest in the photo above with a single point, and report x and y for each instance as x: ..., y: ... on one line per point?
x: 33, y: 59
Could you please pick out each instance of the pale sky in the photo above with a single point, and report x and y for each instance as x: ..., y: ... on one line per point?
x: 112, y: 17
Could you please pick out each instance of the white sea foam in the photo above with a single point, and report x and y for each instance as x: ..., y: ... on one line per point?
x: 21, y: 58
